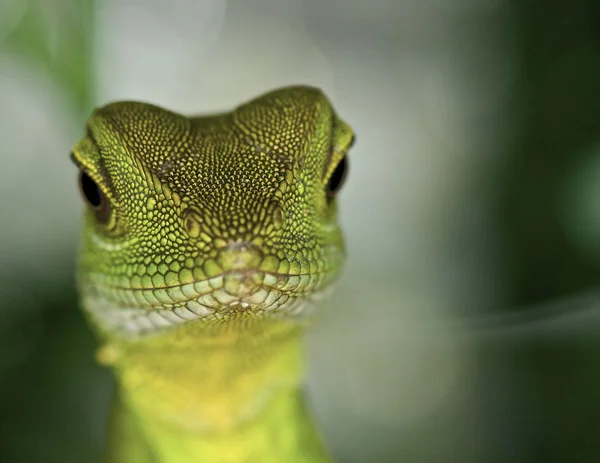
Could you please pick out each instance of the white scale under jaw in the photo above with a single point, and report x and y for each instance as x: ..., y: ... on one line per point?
x: 139, y: 321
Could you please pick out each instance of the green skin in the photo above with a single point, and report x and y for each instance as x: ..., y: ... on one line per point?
x: 207, y: 243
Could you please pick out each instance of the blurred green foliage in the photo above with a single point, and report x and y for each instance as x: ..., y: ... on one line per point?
x: 556, y: 129
x: 58, y: 38
x: 50, y: 402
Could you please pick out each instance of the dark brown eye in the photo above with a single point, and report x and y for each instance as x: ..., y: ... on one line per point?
x: 336, y: 181
x: 90, y: 191
x: 94, y: 197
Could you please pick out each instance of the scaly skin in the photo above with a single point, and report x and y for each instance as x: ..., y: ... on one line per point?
x: 207, y: 243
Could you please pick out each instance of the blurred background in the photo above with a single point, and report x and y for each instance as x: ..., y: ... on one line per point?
x: 466, y: 326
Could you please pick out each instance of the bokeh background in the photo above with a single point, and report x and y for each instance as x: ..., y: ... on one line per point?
x: 466, y: 327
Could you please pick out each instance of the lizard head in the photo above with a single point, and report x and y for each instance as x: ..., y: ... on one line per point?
x: 210, y: 217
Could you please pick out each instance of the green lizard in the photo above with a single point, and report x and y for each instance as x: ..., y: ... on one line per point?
x: 207, y: 243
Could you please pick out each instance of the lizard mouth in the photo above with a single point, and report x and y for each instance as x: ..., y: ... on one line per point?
x: 138, y: 312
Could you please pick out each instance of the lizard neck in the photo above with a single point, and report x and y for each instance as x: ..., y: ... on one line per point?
x: 221, y: 392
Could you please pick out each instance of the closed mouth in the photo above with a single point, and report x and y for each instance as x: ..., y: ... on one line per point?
x: 143, y: 311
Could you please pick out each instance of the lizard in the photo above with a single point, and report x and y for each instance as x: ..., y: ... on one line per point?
x: 207, y: 244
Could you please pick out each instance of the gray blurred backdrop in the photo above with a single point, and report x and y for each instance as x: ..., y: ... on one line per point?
x: 473, y: 197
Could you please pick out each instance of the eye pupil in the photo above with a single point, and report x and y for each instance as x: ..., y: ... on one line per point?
x: 90, y: 191
x: 95, y: 198
x: 337, y: 178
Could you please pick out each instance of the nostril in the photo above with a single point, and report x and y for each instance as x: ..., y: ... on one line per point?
x: 239, y: 255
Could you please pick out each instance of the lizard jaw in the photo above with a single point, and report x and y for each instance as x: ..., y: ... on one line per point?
x: 134, y: 313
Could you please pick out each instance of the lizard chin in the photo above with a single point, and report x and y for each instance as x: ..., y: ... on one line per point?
x: 132, y: 313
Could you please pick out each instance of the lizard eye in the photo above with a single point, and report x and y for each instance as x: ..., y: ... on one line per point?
x: 94, y: 197
x: 336, y: 181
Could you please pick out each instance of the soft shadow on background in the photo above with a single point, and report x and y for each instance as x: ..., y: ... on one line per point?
x: 473, y: 201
